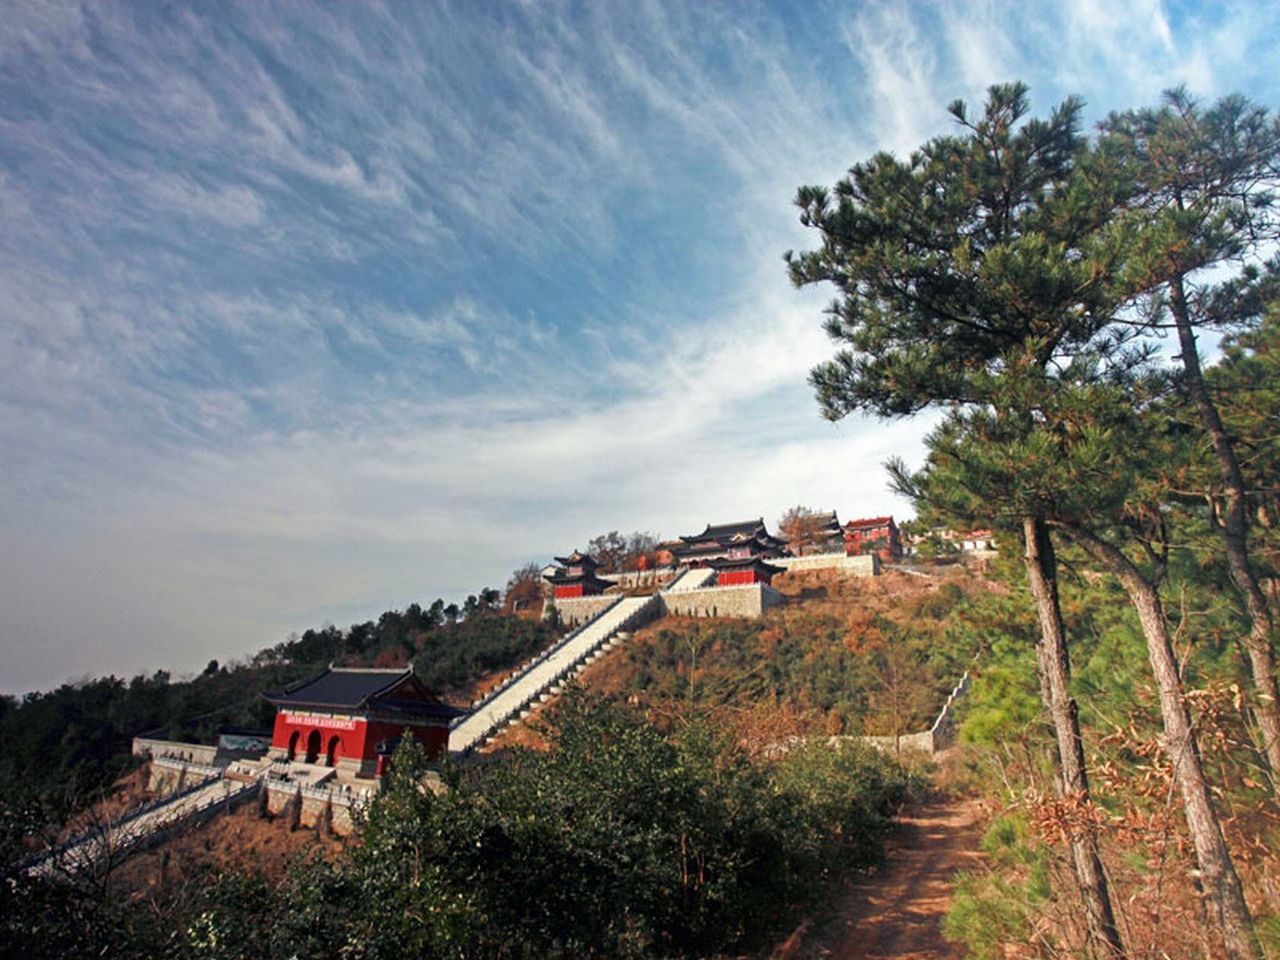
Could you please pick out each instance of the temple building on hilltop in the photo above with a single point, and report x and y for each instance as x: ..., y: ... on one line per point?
x: 815, y: 533
x: 732, y: 541
x: 741, y: 571
x: 577, y: 577
x: 736, y: 551
x: 352, y: 719
x: 873, y: 535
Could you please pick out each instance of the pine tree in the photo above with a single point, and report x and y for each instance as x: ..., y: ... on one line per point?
x: 1087, y: 453
x: 1204, y: 203
x: 977, y: 267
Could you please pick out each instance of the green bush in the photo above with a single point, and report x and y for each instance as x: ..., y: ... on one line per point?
x: 618, y: 842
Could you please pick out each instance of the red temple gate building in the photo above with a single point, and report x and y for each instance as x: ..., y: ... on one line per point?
x: 873, y: 534
x: 738, y: 552
x: 741, y: 571
x: 577, y: 578
x: 351, y: 719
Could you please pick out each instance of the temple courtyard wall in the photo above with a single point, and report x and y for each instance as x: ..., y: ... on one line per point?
x: 749, y: 600
x: 864, y: 565
x: 577, y: 610
x: 148, y: 747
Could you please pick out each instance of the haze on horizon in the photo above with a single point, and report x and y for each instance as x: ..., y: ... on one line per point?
x: 309, y: 313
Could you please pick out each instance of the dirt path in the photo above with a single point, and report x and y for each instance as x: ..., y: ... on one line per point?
x: 897, y: 913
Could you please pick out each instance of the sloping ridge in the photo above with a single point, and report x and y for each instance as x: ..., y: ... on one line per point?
x: 116, y: 840
x: 544, y: 672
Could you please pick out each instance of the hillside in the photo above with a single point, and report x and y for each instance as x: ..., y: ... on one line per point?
x: 689, y: 703
x: 842, y: 656
x: 64, y: 747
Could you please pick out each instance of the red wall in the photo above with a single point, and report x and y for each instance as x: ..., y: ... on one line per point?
x: 855, y: 539
x: 434, y: 739
x: 350, y: 732
x: 730, y: 578
x: 357, y: 737
x: 569, y: 590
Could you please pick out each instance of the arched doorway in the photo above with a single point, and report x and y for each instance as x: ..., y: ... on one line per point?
x: 293, y: 745
x: 313, y: 746
x: 331, y: 754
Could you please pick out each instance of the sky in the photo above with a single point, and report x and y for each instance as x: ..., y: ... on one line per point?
x: 311, y: 311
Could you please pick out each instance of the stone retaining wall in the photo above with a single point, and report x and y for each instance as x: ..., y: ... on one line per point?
x: 748, y: 600
x: 315, y: 801
x: 169, y: 775
x: 145, y: 747
x: 576, y: 610
x: 908, y: 743
x: 864, y: 565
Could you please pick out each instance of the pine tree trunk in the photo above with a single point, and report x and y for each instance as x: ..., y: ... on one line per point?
x: 1073, y: 782
x: 1218, y: 877
x: 1235, y: 535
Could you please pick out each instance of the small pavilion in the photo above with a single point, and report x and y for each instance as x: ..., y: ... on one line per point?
x: 348, y: 718
x: 577, y: 577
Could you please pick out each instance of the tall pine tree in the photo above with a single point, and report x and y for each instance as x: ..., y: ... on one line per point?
x: 1203, y: 210
x: 980, y: 260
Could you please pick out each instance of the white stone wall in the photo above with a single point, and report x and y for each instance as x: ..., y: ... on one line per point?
x: 908, y: 743
x: 865, y: 565
x: 168, y: 775
x: 576, y: 610
x: 144, y: 747
x: 748, y: 600
x: 937, y: 736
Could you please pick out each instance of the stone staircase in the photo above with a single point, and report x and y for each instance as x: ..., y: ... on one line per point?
x: 695, y: 578
x: 113, y: 841
x: 541, y: 677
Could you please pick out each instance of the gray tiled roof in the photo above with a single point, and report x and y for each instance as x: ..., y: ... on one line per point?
x: 338, y: 687
x: 345, y: 688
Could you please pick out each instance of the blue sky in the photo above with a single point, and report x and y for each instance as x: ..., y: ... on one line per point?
x: 309, y: 311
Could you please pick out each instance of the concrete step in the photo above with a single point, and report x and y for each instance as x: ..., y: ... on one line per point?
x: 543, y: 677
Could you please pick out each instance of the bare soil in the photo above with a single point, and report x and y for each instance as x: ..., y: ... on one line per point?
x: 897, y: 911
x: 241, y: 841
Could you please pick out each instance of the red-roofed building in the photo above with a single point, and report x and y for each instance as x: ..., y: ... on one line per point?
x: 873, y: 535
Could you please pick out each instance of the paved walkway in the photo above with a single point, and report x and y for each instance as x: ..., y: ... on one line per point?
x: 116, y: 839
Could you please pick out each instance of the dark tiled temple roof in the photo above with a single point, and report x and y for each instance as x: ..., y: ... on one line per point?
x: 587, y: 579
x: 746, y: 563
x: 718, y: 538
x: 578, y: 559
x: 723, y: 531
x: 347, y: 688
x: 830, y: 522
